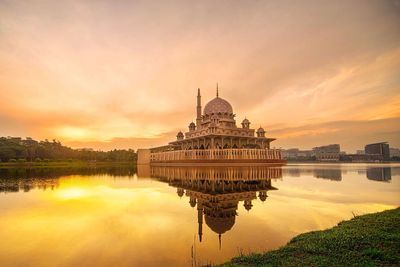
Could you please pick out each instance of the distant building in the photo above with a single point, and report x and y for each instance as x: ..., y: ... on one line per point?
x: 297, y: 154
x: 360, y: 152
x: 291, y: 153
x: 305, y: 153
x: 394, y: 152
x: 327, y: 153
x: 363, y: 158
x: 378, y: 149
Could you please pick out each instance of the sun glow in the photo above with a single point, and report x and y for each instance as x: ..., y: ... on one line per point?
x: 71, y: 193
x: 70, y: 132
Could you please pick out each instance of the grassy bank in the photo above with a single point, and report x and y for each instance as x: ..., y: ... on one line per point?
x: 368, y: 240
x: 72, y: 164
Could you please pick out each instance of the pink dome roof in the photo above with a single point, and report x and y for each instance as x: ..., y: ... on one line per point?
x: 218, y: 105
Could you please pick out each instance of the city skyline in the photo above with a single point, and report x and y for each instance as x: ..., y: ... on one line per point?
x: 125, y: 75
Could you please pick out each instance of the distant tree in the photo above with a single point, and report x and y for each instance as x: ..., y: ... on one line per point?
x: 30, y: 150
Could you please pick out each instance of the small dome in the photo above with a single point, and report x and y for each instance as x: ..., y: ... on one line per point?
x: 192, y: 202
x: 180, y: 136
x: 180, y: 192
x: 260, y: 130
x: 192, y: 124
x: 262, y: 196
x: 218, y: 105
x: 247, y: 205
x: 245, y: 120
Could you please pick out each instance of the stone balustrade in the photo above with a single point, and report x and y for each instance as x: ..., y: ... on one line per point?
x: 217, y: 155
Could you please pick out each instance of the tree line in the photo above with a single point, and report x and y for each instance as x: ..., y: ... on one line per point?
x: 18, y: 149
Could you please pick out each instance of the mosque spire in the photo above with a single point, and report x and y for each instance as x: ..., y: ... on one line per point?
x: 200, y: 219
x: 219, y: 238
x: 217, y: 90
x: 198, y: 109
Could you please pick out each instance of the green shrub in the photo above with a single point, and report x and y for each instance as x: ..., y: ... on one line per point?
x: 12, y: 160
x: 21, y: 160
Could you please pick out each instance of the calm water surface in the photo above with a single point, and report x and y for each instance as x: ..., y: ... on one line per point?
x: 157, y: 216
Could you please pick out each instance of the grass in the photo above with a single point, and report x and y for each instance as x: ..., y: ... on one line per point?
x: 368, y: 240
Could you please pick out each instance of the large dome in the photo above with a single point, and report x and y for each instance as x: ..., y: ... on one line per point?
x: 218, y: 105
x: 220, y: 225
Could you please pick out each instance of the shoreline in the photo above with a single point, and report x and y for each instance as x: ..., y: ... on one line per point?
x: 83, y: 163
x: 340, y: 162
x: 366, y: 240
x: 73, y: 163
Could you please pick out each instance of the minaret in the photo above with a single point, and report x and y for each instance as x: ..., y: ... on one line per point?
x: 217, y: 91
x: 198, y: 118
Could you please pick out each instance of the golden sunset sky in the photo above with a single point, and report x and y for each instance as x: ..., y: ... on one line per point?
x: 124, y: 74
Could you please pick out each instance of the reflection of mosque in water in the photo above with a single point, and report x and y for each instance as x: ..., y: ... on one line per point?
x: 217, y: 191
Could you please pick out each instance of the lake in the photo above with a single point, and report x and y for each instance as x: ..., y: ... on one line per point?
x: 178, y: 216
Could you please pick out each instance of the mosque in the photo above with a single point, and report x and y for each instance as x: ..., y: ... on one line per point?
x: 215, y: 138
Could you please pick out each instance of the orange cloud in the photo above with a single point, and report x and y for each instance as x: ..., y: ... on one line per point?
x: 97, y: 73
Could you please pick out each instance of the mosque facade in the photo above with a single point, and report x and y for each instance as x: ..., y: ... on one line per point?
x: 214, y: 137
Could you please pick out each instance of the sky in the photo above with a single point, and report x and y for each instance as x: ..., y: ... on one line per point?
x: 124, y: 74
